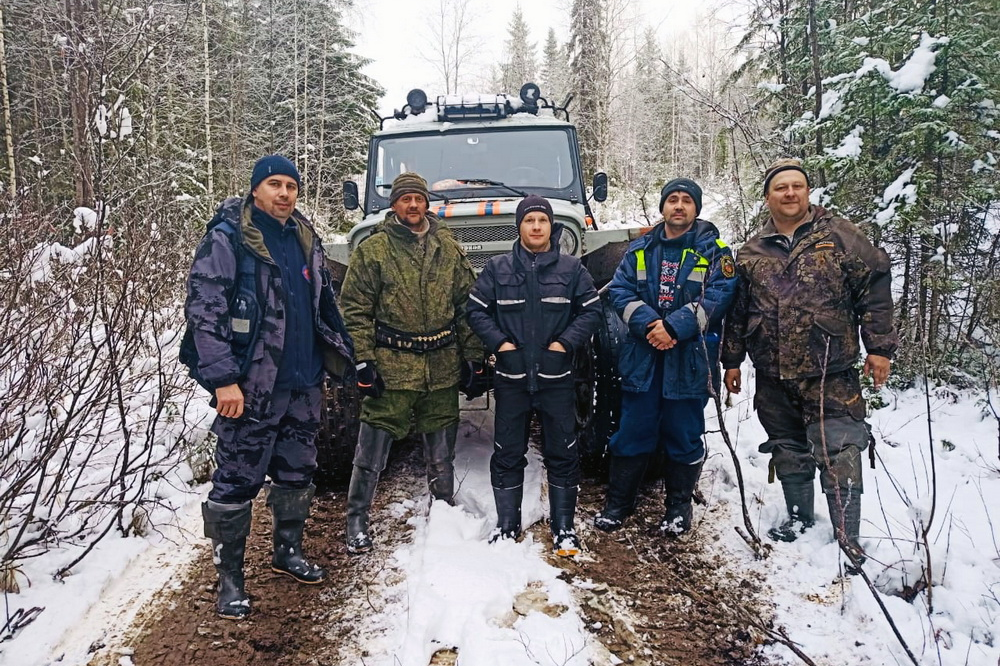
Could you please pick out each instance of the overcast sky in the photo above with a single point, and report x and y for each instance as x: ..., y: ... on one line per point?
x: 393, y: 33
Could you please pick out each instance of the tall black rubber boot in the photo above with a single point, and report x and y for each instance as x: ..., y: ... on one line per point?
x: 799, y: 500
x: 680, y: 482
x: 361, y: 491
x: 624, y: 480
x: 847, y: 525
x: 562, y: 508
x: 228, y: 525
x: 439, y: 453
x: 508, y: 501
x: 290, y: 508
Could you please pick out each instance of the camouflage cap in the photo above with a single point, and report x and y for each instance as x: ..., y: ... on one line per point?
x: 409, y: 183
x: 784, y: 164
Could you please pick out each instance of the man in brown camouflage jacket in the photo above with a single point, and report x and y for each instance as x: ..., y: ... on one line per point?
x: 807, y: 282
x: 404, y: 302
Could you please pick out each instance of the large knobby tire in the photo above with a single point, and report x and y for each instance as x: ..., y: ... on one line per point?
x: 338, y: 435
x: 599, y: 399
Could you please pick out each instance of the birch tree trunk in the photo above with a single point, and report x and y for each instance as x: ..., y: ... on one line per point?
x: 7, y: 125
x: 209, y: 186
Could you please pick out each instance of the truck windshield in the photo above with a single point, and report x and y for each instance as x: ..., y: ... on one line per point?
x: 532, y: 160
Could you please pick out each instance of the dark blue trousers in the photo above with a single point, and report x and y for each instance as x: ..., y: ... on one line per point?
x: 650, y: 421
x: 281, y: 445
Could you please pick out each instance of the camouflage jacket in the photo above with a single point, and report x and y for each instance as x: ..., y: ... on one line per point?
x: 211, y: 283
x: 798, y: 312
x: 412, y: 285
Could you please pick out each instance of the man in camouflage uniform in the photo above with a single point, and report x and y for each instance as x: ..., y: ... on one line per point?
x: 808, y: 281
x: 266, y: 328
x: 404, y: 301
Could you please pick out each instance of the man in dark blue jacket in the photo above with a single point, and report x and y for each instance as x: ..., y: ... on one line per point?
x: 535, y: 308
x: 672, y: 289
x: 267, y: 329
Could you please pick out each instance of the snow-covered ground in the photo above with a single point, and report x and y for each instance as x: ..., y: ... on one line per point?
x: 456, y: 590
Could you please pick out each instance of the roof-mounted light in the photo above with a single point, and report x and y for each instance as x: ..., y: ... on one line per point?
x: 417, y: 101
x: 530, y: 94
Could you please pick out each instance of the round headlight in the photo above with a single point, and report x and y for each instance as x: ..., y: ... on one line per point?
x: 567, y: 242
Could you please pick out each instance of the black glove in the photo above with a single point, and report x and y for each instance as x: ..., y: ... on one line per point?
x: 370, y: 382
x: 473, y: 381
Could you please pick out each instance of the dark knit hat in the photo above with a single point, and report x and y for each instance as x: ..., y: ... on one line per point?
x: 409, y: 183
x: 532, y: 203
x: 272, y: 165
x: 685, y: 185
x: 783, y: 164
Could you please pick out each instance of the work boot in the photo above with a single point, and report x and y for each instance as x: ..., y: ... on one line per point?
x: 801, y: 516
x: 680, y: 482
x: 847, y: 525
x: 562, y: 507
x: 228, y: 525
x: 290, y: 508
x: 439, y: 454
x: 623, y: 487
x: 373, y: 447
x: 508, y: 501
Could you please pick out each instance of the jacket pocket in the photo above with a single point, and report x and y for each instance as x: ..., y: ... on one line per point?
x: 555, y: 366
x: 510, y: 293
x: 635, y: 364
x: 510, y: 364
x: 830, y: 342
x: 700, y: 362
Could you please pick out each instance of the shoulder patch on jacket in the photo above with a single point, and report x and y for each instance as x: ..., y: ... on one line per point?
x: 728, y: 266
x: 824, y: 244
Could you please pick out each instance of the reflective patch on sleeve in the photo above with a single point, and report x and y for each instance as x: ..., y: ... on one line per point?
x: 700, y: 313
x: 630, y: 310
x: 640, y: 264
x: 721, y: 243
x: 473, y: 297
x: 595, y: 298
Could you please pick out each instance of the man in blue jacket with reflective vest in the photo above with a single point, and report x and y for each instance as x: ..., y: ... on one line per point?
x: 672, y: 289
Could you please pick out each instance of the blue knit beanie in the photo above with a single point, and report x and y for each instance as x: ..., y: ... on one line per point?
x: 685, y: 185
x: 272, y: 165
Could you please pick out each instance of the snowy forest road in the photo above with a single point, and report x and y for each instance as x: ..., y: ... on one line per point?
x: 428, y: 594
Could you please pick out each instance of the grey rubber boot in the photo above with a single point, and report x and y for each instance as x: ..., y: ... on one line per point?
x: 369, y: 461
x: 228, y: 525
x: 290, y: 508
x: 680, y: 482
x: 562, y: 509
x: 847, y: 525
x: 624, y: 480
x: 799, y: 500
x: 508, y: 501
x: 439, y: 453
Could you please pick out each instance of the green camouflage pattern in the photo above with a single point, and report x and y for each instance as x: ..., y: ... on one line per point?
x: 798, y: 313
x: 417, y: 285
x: 397, y: 412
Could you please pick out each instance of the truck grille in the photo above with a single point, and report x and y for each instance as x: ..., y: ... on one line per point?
x: 506, y: 232
x: 479, y: 259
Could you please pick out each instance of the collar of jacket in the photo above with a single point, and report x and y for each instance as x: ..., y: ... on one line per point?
x: 240, y: 213
x: 391, y: 225
x: 700, y: 232
x: 522, y: 255
x: 818, y: 213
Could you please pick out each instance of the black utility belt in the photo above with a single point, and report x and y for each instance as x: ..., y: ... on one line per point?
x: 393, y: 338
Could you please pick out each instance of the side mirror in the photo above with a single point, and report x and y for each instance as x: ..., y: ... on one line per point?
x: 600, y: 186
x: 351, y: 201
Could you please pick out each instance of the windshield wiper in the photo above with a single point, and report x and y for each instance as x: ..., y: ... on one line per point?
x: 491, y: 183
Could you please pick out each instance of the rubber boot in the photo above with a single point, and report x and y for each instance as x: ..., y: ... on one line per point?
x: 562, y: 507
x: 290, y: 508
x: 847, y: 525
x: 508, y: 501
x: 624, y: 480
x: 439, y: 453
x: 799, y: 499
x: 680, y: 482
x: 375, y: 444
x: 228, y: 525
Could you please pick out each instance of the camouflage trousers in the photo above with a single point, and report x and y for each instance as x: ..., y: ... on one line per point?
x: 397, y: 409
x: 802, y: 439
x: 279, y: 443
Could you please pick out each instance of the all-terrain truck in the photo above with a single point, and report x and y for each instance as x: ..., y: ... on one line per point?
x: 480, y: 156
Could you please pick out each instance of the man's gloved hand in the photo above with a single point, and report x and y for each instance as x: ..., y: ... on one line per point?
x: 370, y: 382
x: 473, y: 381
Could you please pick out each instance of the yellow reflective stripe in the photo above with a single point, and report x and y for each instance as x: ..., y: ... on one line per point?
x: 721, y: 243
x: 640, y: 264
